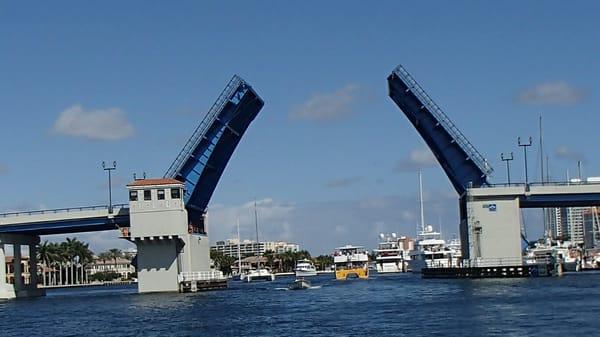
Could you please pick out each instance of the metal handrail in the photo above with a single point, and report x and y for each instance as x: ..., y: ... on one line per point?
x: 61, y: 210
x: 227, y: 94
x: 458, y: 136
x: 201, y: 276
x: 545, y: 183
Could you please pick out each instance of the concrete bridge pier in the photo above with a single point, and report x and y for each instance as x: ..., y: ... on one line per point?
x: 19, y: 288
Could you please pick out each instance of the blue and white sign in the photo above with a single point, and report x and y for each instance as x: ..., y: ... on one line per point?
x: 490, y: 207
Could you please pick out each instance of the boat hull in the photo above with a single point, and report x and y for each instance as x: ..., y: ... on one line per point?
x: 389, y: 267
x: 306, y: 273
x: 343, y: 274
x: 299, y: 285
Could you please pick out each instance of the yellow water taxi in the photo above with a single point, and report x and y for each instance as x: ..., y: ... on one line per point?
x: 351, y: 261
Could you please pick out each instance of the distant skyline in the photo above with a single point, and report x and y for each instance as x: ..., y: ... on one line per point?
x: 330, y: 159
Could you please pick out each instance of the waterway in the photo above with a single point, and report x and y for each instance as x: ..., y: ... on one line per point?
x: 400, y: 305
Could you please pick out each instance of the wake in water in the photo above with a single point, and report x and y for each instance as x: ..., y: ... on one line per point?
x: 312, y: 287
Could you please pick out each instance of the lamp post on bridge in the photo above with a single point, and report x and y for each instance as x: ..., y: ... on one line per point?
x: 106, y: 168
x: 507, y: 160
x: 524, y: 146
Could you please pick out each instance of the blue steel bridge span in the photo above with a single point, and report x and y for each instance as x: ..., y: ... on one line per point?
x: 199, y: 165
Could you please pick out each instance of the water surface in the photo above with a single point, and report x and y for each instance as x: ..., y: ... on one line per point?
x: 399, y: 305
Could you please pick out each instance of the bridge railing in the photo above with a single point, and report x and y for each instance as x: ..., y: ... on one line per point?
x: 443, y: 119
x: 62, y: 210
x: 545, y: 183
x: 201, y: 276
x: 227, y: 94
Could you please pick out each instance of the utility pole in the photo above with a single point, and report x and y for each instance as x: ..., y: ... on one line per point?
x: 525, y: 146
x: 507, y: 160
x: 109, y: 169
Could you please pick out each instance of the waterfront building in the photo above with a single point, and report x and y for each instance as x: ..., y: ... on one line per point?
x: 249, y: 248
x: 10, y: 269
x: 121, y: 266
x: 575, y: 224
x: 591, y: 232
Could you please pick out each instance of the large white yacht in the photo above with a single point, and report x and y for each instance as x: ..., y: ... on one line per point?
x: 392, y: 253
x: 305, y: 268
x: 547, y: 251
x: 431, y: 251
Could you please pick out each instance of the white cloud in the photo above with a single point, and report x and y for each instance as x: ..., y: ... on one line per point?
x: 106, y: 124
x: 321, y: 226
x: 552, y: 93
x: 272, y: 217
x: 328, y: 106
x: 562, y: 151
x: 416, y: 159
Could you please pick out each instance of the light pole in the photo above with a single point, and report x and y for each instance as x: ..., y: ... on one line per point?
x: 106, y: 168
x: 524, y: 146
x: 507, y: 160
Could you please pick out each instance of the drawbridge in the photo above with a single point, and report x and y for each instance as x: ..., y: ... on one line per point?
x: 199, y: 165
x: 490, y: 223
x: 202, y: 160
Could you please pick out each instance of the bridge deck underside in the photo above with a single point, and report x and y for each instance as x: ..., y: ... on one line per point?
x: 65, y: 221
x: 454, y: 153
x: 202, y: 168
x: 66, y: 226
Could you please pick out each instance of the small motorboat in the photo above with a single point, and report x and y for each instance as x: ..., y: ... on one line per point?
x: 299, y: 284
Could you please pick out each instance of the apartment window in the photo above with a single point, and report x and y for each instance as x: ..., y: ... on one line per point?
x: 133, y: 196
x: 160, y: 194
x: 147, y: 195
x: 175, y: 193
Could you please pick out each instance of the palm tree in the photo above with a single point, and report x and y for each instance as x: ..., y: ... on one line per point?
x: 115, y: 253
x: 84, y: 255
x: 47, y: 253
x: 270, y: 256
x: 68, y: 253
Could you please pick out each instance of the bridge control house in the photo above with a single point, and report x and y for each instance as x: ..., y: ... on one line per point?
x: 169, y: 247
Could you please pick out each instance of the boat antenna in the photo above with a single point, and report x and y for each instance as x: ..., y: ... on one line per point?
x: 238, y: 247
x: 421, y: 201
x: 440, y: 222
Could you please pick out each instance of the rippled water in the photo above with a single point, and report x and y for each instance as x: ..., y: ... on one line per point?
x: 381, y: 306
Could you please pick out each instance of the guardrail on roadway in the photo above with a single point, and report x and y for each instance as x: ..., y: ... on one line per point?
x: 61, y: 210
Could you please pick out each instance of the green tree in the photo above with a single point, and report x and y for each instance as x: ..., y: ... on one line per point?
x: 270, y: 256
x: 115, y: 254
x: 323, y: 261
x: 222, y: 262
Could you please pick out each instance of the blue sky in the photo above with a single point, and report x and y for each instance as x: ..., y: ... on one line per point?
x: 330, y: 158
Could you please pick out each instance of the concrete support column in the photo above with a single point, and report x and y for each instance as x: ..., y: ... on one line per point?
x: 17, y: 267
x: 33, y: 266
x: 2, y: 268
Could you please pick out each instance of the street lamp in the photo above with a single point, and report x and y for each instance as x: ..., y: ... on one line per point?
x: 524, y: 146
x: 106, y: 168
x: 507, y: 160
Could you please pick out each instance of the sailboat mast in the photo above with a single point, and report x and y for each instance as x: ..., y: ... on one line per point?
x: 421, y: 202
x: 239, y: 254
x: 257, y: 242
x: 544, y: 210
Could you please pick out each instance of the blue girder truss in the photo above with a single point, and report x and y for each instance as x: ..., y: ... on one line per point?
x: 204, y: 157
x: 463, y: 164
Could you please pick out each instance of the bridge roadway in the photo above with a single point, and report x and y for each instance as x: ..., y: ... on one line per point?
x: 543, y: 195
x: 65, y: 220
